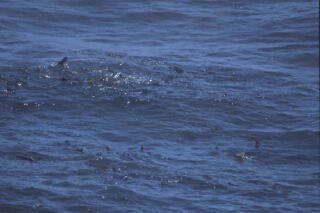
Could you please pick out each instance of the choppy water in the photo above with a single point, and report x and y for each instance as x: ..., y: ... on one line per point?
x: 187, y: 81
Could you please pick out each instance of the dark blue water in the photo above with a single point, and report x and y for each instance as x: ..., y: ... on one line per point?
x: 175, y: 90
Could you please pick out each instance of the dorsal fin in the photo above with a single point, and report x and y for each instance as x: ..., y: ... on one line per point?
x: 63, y: 61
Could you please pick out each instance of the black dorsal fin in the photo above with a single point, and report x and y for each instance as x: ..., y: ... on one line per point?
x: 63, y: 61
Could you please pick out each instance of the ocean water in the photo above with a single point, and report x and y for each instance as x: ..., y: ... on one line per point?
x: 154, y: 103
